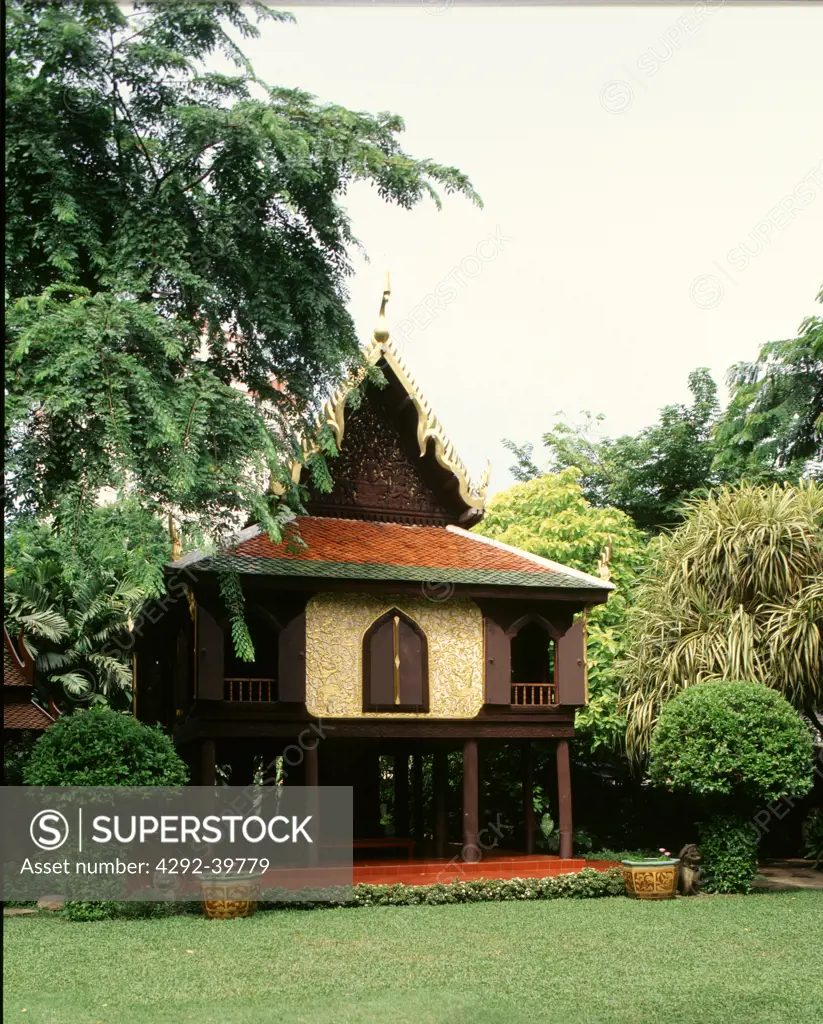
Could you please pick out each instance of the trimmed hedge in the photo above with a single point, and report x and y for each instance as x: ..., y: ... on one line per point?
x: 741, y: 743
x: 586, y: 884
x: 728, y: 845
x: 101, y: 747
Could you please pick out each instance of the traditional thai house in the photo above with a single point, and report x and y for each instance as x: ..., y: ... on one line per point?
x: 21, y: 711
x: 383, y: 627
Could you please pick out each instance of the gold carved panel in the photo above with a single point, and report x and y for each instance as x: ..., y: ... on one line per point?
x: 335, y: 626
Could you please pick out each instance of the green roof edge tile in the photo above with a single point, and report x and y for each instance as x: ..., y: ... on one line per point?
x: 371, y: 571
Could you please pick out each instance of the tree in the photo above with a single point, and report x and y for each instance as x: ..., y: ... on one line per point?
x: 736, y: 592
x: 550, y: 516
x: 177, y: 253
x: 646, y: 475
x: 732, y: 746
x: 775, y: 415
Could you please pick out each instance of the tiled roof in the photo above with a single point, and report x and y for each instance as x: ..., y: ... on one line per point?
x: 25, y: 715
x: 13, y: 671
x: 354, y: 549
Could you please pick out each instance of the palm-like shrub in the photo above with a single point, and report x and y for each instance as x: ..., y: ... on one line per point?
x: 733, y: 746
x: 735, y: 593
x: 74, y: 619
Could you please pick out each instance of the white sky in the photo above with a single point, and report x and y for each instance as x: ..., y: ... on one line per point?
x: 613, y: 214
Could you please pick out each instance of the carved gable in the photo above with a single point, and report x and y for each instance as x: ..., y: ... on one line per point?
x: 378, y: 473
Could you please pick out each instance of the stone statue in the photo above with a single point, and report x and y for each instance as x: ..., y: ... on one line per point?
x: 689, y: 875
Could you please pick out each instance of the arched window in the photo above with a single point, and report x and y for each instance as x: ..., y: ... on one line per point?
x: 395, y: 665
x: 253, y: 680
x: 533, y: 663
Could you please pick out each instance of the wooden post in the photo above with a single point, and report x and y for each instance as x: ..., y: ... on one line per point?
x: 311, y: 777
x: 440, y: 784
x: 564, y: 798
x: 528, y: 796
x: 208, y: 763
x: 471, y: 851
x: 401, y: 793
x: 311, y: 766
x: 417, y: 795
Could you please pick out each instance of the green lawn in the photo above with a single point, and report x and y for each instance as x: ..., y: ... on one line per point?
x: 756, y: 959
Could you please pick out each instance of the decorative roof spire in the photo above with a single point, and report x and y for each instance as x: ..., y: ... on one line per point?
x: 381, y: 331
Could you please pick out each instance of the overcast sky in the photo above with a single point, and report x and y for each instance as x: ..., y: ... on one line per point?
x: 624, y: 159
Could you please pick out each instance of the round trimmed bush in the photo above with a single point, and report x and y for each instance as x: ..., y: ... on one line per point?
x: 101, y: 747
x: 734, y: 746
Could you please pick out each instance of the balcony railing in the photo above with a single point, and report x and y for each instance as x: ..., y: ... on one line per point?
x: 533, y: 694
x: 241, y: 690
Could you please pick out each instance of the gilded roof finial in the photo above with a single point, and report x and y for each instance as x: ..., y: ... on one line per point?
x: 381, y: 332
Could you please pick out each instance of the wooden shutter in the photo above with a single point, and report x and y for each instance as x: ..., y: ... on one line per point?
x: 291, y: 660
x: 570, y: 653
x: 380, y: 655
x: 395, y: 634
x: 209, y: 656
x: 412, y: 666
x: 498, y: 664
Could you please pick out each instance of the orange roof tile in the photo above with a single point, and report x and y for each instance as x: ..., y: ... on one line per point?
x: 25, y: 715
x: 14, y: 670
x: 368, y: 543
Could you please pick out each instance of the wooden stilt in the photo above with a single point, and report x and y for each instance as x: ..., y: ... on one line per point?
x: 528, y: 797
x: 471, y: 851
x: 208, y: 763
x: 401, y: 792
x: 564, y: 798
x: 417, y: 795
x: 440, y: 784
x: 311, y: 766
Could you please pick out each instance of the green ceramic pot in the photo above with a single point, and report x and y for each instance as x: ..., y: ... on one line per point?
x: 653, y: 879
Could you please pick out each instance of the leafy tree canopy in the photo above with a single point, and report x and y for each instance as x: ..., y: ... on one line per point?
x: 775, y: 416
x: 646, y: 475
x: 176, y: 256
x: 550, y: 516
x: 736, y: 592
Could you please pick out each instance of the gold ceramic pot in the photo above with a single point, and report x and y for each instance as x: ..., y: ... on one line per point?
x: 651, y: 879
x: 225, y: 896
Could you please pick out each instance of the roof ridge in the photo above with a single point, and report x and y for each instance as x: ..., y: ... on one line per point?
x: 547, y: 563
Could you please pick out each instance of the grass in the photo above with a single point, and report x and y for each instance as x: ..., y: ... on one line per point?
x: 713, y: 960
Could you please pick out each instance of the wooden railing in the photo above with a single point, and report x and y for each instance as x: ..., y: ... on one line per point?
x: 245, y: 690
x: 533, y: 694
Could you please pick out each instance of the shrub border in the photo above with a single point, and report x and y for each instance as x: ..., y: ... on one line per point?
x: 589, y: 883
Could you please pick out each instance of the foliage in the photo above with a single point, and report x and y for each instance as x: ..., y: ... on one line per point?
x: 130, y: 910
x: 177, y: 256
x: 101, y: 747
x: 732, y: 745
x: 728, y: 847
x: 550, y: 516
x: 73, y: 593
x: 15, y: 755
x: 775, y: 415
x: 644, y: 854
x: 231, y: 591
x: 813, y: 836
x: 735, y: 593
x: 646, y: 475
x: 734, y: 740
